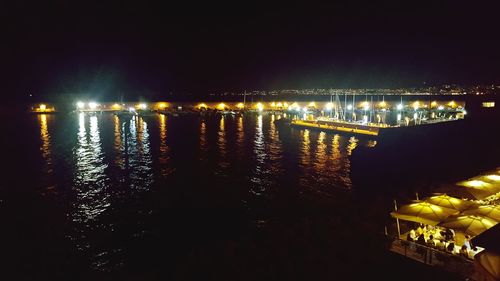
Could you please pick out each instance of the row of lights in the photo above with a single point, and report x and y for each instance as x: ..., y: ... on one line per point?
x: 328, y: 107
x: 93, y: 106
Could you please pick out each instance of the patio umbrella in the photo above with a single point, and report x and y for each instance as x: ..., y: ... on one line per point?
x: 480, y: 187
x: 450, y: 202
x: 423, y: 212
x: 465, y: 192
x: 469, y: 224
x: 489, y: 211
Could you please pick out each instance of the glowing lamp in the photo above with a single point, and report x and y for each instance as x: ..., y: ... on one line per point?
x: 92, y: 105
x: 399, y: 106
x: 329, y: 106
x: 240, y: 105
x: 221, y: 106
x: 349, y: 107
x: 260, y: 106
x: 416, y: 105
x: 43, y: 107
x: 80, y: 105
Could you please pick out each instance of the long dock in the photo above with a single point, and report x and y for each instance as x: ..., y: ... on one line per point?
x: 339, y: 127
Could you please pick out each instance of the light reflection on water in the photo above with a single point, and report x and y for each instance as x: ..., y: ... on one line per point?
x: 91, y: 181
x: 46, y: 150
x: 252, y: 151
x: 164, y: 157
x: 139, y: 155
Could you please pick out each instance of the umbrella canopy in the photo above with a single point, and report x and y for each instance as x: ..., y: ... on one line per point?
x: 466, y: 192
x: 480, y: 188
x: 423, y: 212
x: 489, y: 211
x: 446, y: 201
x: 470, y: 225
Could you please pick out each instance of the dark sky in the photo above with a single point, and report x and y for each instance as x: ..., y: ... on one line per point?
x: 145, y: 48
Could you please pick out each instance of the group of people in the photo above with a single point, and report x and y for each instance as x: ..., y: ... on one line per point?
x: 442, y: 239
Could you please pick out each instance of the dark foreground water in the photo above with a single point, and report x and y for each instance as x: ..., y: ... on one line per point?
x: 235, y: 198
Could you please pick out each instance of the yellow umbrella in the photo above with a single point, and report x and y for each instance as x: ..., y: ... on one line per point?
x: 489, y: 211
x: 446, y: 201
x: 469, y: 224
x: 470, y: 189
x: 423, y: 212
x: 481, y: 187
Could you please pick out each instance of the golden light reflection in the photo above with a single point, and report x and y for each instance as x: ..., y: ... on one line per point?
x: 240, y: 137
x: 118, y: 141
x: 164, y: 158
x: 321, y: 153
x: 46, y: 142
x: 336, y: 148
x: 221, y: 139
x: 353, y: 142
x: 306, y: 148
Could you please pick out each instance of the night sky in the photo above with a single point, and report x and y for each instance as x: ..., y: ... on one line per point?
x: 149, y: 49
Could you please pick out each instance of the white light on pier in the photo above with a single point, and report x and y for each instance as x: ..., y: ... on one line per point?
x: 92, y: 105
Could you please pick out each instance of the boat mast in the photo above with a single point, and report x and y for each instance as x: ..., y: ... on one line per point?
x: 244, y: 98
x: 353, y: 106
x: 345, y: 105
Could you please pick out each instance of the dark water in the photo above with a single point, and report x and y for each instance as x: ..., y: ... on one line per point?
x: 140, y: 198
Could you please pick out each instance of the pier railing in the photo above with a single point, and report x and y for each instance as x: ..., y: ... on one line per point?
x: 433, y: 257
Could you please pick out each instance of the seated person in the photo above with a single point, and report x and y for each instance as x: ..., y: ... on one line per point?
x: 412, y: 234
x: 440, y: 245
x: 420, y: 230
x: 451, y: 247
x: 430, y: 241
x: 409, y: 238
x: 467, y: 242
x: 464, y: 251
x: 421, y: 239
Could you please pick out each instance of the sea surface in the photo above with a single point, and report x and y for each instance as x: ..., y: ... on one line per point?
x: 236, y: 197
